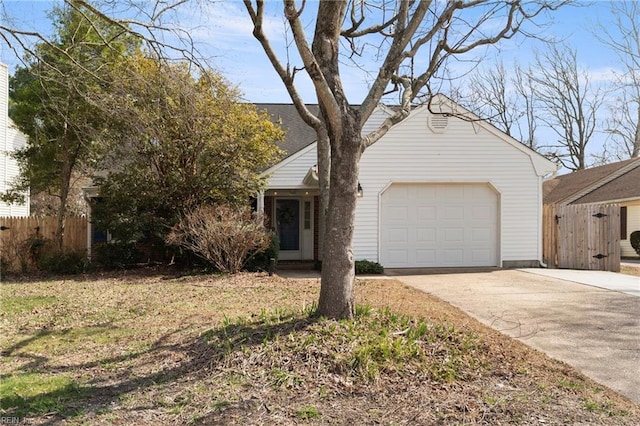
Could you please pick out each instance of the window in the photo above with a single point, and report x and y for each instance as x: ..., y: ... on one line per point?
x: 307, y: 215
x: 623, y: 223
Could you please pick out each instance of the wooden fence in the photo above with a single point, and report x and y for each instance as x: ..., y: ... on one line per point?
x: 17, y: 230
x: 582, y: 236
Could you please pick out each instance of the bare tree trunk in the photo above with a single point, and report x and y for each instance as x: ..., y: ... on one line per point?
x: 65, y: 183
x: 338, y: 271
x: 324, y: 168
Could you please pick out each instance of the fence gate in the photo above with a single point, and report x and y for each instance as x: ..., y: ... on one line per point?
x: 582, y: 236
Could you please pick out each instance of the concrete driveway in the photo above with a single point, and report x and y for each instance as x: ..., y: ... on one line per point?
x: 595, y: 330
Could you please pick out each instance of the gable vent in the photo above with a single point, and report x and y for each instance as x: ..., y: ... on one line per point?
x: 438, y: 122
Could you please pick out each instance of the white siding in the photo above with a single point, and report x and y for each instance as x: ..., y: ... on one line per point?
x: 289, y: 173
x: 10, y: 140
x: 633, y: 224
x: 465, y: 152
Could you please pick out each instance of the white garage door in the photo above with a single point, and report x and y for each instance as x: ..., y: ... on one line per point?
x: 439, y: 225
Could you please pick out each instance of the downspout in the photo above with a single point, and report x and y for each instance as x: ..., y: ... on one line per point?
x: 540, y: 220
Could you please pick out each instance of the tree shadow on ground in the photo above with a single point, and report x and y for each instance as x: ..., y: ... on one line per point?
x: 146, y: 368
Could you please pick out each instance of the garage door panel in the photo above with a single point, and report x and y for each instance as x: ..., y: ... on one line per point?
x: 480, y: 257
x: 482, y: 212
x: 424, y: 192
x: 453, y: 257
x: 454, y: 235
x: 398, y: 235
x: 398, y: 213
x: 426, y: 235
x: 453, y: 212
x: 399, y: 257
x: 450, y: 193
x: 426, y: 213
x: 482, y: 235
x: 426, y: 257
x: 425, y: 225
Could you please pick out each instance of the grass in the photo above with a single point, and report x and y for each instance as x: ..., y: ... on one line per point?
x: 38, y: 393
x: 245, y: 349
x: 630, y: 270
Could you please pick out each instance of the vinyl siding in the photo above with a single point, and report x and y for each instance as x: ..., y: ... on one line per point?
x: 289, y: 173
x: 464, y: 153
x: 10, y: 140
x: 633, y: 224
x: 411, y: 152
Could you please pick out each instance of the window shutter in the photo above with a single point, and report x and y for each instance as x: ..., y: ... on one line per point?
x: 623, y: 222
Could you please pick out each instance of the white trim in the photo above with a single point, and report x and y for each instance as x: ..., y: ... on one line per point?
x: 541, y: 164
x: 490, y: 184
x: 260, y: 202
x: 289, y: 159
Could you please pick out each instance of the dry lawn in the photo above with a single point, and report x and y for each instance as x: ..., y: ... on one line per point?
x: 150, y: 349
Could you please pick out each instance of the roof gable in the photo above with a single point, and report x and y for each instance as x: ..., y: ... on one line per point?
x: 610, y: 182
x: 300, y: 136
x: 442, y: 105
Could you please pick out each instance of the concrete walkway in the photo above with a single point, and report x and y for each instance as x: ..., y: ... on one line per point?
x: 596, y: 331
x: 607, y: 280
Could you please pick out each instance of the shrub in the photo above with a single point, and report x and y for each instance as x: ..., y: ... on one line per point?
x: 223, y: 235
x: 16, y: 256
x: 259, y: 261
x: 362, y: 267
x: 66, y: 262
x: 634, y: 239
x: 368, y: 267
x: 117, y: 255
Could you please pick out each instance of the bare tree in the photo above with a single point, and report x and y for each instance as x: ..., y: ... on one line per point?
x: 624, y: 123
x: 525, y: 88
x: 569, y: 103
x: 411, y: 42
x: 505, y: 98
x: 414, y: 40
x: 151, y: 22
x: 491, y: 97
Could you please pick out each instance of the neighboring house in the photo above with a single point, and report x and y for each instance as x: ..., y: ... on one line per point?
x: 612, y: 183
x: 437, y: 191
x: 11, y: 139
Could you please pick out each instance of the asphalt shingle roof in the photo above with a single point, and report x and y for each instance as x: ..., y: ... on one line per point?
x: 298, y: 134
x: 610, y: 182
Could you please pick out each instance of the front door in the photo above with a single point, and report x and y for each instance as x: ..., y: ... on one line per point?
x: 294, y: 219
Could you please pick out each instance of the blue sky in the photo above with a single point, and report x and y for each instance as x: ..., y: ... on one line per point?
x: 223, y: 31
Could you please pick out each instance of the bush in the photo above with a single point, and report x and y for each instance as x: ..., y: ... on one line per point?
x: 66, y: 262
x: 634, y: 239
x: 117, y: 255
x: 368, y: 267
x: 362, y: 267
x: 223, y: 235
x: 259, y: 261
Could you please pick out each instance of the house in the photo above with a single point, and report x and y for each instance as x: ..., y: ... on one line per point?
x: 11, y: 139
x: 611, y: 183
x: 437, y: 190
